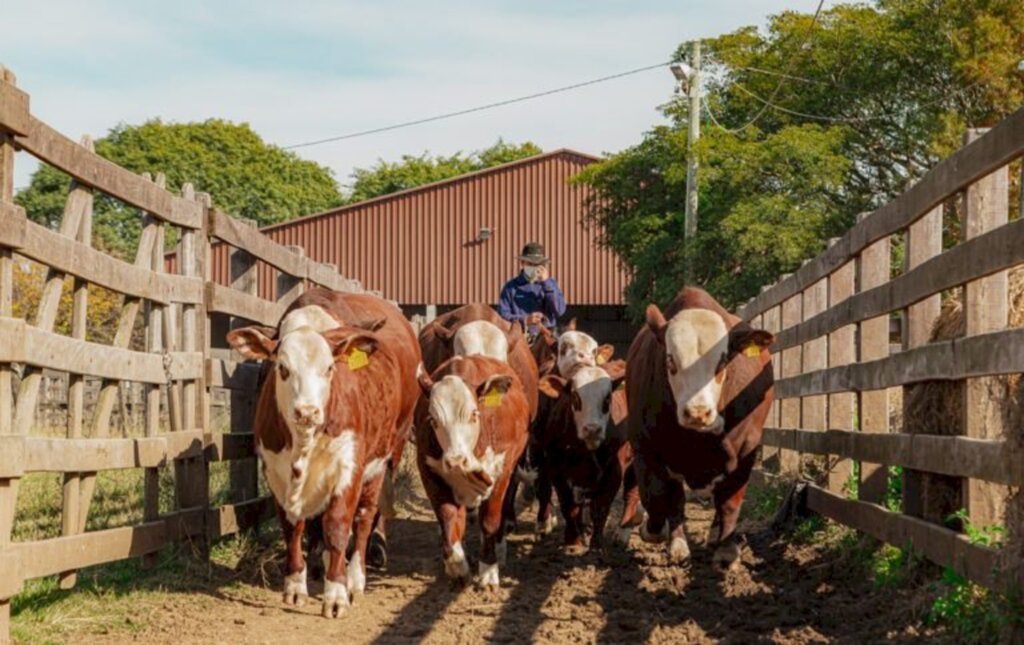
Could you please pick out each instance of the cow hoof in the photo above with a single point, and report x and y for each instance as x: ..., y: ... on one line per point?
x: 501, y: 550
x: 377, y: 551
x: 335, y: 599
x: 295, y: 590
x: 488, y: 575
x: 678, y: 550
x: 727, y: 557
x: 455, y: 566
x: 653, y: 538
x: 622, y: 535
x: 355, y: 578
x: 546, y: 526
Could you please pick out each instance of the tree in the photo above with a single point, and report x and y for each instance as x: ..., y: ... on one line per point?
x: 390, y: 177
x: 878, y: 95
x: 246, y: 177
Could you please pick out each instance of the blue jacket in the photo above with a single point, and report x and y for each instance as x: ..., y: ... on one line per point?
x: 520, y: 298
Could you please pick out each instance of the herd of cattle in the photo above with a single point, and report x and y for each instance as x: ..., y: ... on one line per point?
x: 347, y: 383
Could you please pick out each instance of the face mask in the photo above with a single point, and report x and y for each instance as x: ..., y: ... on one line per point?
x: 530, y: 273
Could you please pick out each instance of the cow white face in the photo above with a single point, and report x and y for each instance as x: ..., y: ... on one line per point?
x: 483, y: 338
x: 576, y: 348
x: 696, y: 355
x: 590, y: 398
x: 455, y: 411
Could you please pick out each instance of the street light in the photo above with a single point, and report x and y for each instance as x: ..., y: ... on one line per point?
x: 683, y: 74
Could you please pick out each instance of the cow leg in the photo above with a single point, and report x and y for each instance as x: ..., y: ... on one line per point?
x: 364, y: 522
x: 295, y: 589
x: 728, y: 497
x: 509, y: 506
x: 492, y: 534
x: 543, y: 488
x: 678, y: 547
x: 453, y: 527
x: 630, y: 504
x: 314, y: 545
x: 337, y: 528
x: 572, y: 513
x: 655, y: 491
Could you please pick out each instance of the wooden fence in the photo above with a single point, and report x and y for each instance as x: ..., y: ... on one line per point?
x: 837, y: 380
x: 183, y: 363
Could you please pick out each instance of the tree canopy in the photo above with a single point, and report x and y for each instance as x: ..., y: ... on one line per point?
x: 874, y: 98
x: 389, y: 177
x: 246, y: 176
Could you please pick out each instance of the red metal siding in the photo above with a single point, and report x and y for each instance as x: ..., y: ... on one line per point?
x: 419, y: 246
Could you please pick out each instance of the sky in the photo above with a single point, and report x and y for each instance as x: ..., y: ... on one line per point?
x: 304, y: 70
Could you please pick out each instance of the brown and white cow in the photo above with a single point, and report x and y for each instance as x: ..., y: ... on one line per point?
x: 331, y: 417
x: 586, y: 452
x: 699, y: 382
x: 471, y: 428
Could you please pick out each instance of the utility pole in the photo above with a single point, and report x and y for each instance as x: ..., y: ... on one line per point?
x: 688, y: 76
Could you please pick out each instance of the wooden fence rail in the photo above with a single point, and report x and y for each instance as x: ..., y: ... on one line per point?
x: 842, y: 350
x: 178, y: 355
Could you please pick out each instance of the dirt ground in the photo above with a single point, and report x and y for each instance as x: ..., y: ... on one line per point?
x: 783, y: 593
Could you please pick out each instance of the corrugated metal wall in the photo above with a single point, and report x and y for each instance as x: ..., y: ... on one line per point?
x: 420, y: 246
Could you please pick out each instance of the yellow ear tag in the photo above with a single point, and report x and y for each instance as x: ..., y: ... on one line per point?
x: 752, y: 350
x: 601, y: 360
x: 493, y: 398
x: 358, y: 359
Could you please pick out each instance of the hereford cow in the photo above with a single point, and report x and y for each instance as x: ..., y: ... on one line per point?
x: 586, y: 452
x: 699, y: 383
x: 329, y: 421
x: 471, y: 428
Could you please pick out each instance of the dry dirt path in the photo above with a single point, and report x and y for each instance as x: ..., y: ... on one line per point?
x: 783, y: 593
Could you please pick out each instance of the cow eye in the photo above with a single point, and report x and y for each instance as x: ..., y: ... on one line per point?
x: 283, y: 371
x: 670, y: 363
x: 329, y: 372
x: 577, y: 404
x: 474, y: 417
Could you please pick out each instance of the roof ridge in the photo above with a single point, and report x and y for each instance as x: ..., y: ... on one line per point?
x: 434, y: 184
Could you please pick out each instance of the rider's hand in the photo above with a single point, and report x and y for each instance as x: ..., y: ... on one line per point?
x: 542, y: 273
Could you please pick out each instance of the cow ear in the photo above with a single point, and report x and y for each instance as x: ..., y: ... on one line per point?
x: 603, y: 354
x: 425, y: 381
x: 744, y: 340
x: 374, y: 325
x: 656, y: 322
x: 500, y: 383
x: 616, y: 370
x: 442, y: 332
x: 255, y: 343
x: 342, y: 341
x: 571, y: 325
x: 552, y: 385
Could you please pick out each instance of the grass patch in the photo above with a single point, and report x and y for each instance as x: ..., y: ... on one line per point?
x: 763, y: 501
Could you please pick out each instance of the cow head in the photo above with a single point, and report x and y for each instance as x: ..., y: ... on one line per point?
x: 590, y: 396
x: 304, y: 366
x: 483, y: 338
x: 576, y: 348
x: 698, y: 349
x: 455, y: 409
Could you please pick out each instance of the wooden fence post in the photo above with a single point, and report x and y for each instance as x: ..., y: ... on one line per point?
x: 770, y: 456
x: 814, y: 409
x: 792, y: 365
x: 842, y: 350
x: 290, y: 287
x: 873, y: 267
x: 924, y: 241
x: 8, y: 487
x: 986, y: 308
x: 244, y: 278
x: 72, y: 509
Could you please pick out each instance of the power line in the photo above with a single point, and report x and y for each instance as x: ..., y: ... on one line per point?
x: 770, y: 72
x: 782, y: 81
x: 479, y: 108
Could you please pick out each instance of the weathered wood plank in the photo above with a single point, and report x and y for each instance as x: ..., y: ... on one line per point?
x: 842, y: 350
x: 225, y: 300
x: 48, y: 557
x: 994, y: 353
x: 940, y: 545
x: 1001, y: 145
x: 89, y: 168
x: 941, y: 454
x: 70, y: 256
x: 874, y: 268
x: 226, y: 446
x: 14, y: 108
x: 248, y: 238
x: 815, y: 356
x: 45, y: 349
x: 232, y: 518
x: 985, y: 254
x: 986, y: 309
x: 232, y: 375
x: 792, y: 366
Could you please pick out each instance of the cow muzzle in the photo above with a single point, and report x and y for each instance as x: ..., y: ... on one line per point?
x: 308, y: 415
x: 592, y: 436
x: 701, y: 418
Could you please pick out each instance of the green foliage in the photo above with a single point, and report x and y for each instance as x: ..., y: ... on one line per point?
x: 992, y: 535
x: 390, y: 177
x: 762, y: 501
x: 900, y: 80
x: 894, y: 489
x: 891, y: 566
x: 246, y: 177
